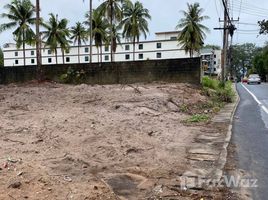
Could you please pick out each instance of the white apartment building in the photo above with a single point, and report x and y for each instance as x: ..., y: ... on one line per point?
x: 211, y: 61
x: 165, y: 46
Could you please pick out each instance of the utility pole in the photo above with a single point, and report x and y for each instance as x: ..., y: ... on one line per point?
x: 90, y: 19
x: 228, y: 28
x: 225, y: 43
x: 38, y: 42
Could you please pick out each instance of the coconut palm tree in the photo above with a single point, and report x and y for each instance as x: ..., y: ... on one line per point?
x: 192, y: 32
x: 112, y: 9
x: 100, y: 28
x: 116, y: 39
x: 89, y: 17
x: 21, y: 14
x: 56, y: 35
x: 79, y: 35
x: 38, y: 42
x: 135, y: 22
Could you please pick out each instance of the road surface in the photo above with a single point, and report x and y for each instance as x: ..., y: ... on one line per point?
x: 250, y: 135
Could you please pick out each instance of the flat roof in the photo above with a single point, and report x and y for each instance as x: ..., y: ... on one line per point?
x: 167, y: 32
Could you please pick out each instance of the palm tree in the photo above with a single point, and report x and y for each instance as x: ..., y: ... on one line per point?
x: 135, y: 22
x: 56, y: 35
x: 90, y: 29
x: 38, y: 42
x: 79, y: 35
x: 113, y: 11
x: 100, y: 27
x: 21, y: 16
x: 116, y: 39
x: 192, y: 32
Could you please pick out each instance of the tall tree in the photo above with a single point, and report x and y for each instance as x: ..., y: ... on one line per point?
x: 135, y: 22
x: 89, y: 17
x: 242, y: 57
x: 212, y: 46
x: 112, y: 9
x: 100, y: 28
x: 192, y: 31
x: 1, y: 58
x: 79, y: 35
x: 115, y: 39
x: 38, y: 42
x: 263, y: 26
x: 21, y: 14
x: 56, y: 35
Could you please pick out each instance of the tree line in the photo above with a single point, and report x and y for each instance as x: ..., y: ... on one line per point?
x: 250, y: 59
x: 111, y: 21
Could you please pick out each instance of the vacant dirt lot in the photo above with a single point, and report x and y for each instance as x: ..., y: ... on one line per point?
x: 93, y: 142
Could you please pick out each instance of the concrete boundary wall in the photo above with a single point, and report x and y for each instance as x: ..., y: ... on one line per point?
x: 173, y: 70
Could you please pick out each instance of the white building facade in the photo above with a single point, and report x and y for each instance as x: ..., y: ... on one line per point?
x: 211, y: 61
x: 165, y: 46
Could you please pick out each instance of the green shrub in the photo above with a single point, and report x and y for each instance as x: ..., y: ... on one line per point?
x: 226, y: 93
x: 73, y: 76
x: 198, y: 118
x: 219, y: 91
x: 210, y: 83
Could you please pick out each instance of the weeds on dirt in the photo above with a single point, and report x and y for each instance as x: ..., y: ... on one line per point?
x: 218, y: 95
x: 73, y: 76
x: 184, y: 108
x: 219, y: 92
x: 197, y: 118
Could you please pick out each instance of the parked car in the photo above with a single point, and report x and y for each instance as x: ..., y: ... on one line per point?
x: 254, y: 78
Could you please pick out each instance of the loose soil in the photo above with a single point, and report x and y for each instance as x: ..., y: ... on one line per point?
x: 95, y: 142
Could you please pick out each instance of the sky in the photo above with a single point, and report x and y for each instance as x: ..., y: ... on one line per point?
x: 166, y: 14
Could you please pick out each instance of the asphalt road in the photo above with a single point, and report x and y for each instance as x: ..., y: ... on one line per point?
x: 250, y: 135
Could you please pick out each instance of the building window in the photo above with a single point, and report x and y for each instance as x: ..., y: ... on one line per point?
x: 173, y: 38
x: 127, y: 47
x: 140, y: 46
x: 86, y: 59
x: 67, y: 59
x: 32, y: 53
x: 86, y: 50
x: 49, y: 52
x: 127, y: 56
x: 49, y: 60
x: 16, y: 54
x: 67, y: 51
x: 140, y: 56
x: 158, y: 45
x: 106, y: 57
x: 215, y: 62
x: 106, y: 48
x: 158, y: 55
x: 16, y: 62
x: 215, y: 56
x: 32, y: 61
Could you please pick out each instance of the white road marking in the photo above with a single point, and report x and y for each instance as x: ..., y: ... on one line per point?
x: 256, y: 99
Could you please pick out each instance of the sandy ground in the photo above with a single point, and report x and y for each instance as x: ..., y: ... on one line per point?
x: 93, y: 142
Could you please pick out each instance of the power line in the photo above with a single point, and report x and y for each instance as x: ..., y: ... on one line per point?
x: 215, y: 1
x: 237, y: 8
x: 248, y: 24
x: 251, y: 6
x: 254, y: 14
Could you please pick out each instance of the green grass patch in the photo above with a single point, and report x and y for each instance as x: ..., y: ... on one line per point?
x: 218, y: 91
x: 198, y: 118
x: 208, y: 82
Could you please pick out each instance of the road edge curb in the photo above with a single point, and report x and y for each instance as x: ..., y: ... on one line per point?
x: 223, y: 155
